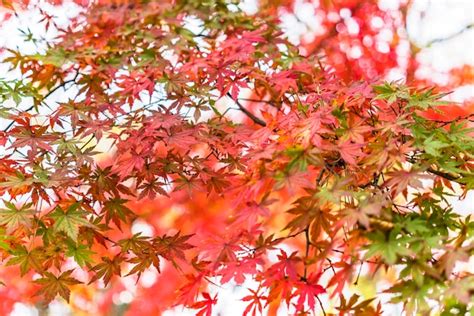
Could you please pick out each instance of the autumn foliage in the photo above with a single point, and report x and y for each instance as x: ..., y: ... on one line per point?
x: 191, y: 144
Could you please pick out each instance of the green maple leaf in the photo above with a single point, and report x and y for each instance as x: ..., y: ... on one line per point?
x: 67, y: 145
x: 468, y: 180
x: 52, y: 285
x: 417, y: 225
x: 81, y: 254
x: 70, y: 221
x: 27, y: 259
x: 391, y: 92
x: 117, y: 211
x: 13, y: 217
x: 136, y: 243
x: 388, y: 248
x: 3, y: 240
x: 16, y: 182
x: 426, y: 99
x: 4, y: 112
x: 433, y: 146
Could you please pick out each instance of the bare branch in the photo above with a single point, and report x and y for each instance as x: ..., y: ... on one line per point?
x: 247, y: 112
x: 447, y: 38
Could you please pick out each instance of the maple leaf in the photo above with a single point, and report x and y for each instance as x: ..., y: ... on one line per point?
x: 284, y: 81
x: 221, y: 248
x: 143, y: 262
x: 149, y: 189
x: 292, y: 181
x: 70, y: 221
x: 107, y: 269
x: 32, y: 136
x: 251, y: 211
x: 94, y: 127
x: 355, y: 131
x: 349, y: 151
x: 285, y: 267
x: 27, y: 259
x: 368, y: 207
x: 449, y: 259
x: 81, y: 254
x: 400, y: 180
x: 390, y: 248
x: 280, y: 289
x: 136, y: 243
x: 237, y: 269
x: 52, y: 285
x: 116, y: 211
x: 18, y: 182
x: 362, y: 308
x: 309, y: 213
x: 129, y: 161
x: 216, y: 183
x: 255, y: 304
x: 307, y: 291
x: 189, y: 291
x: 205, y: 305
x: 13, y: 217
x: 341, y: 277
x: 170, y: 247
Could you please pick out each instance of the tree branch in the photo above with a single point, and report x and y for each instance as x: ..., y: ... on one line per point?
x: 308, y: 243
x: 247, y: 112
x: 45, y: 97
x: 446, y: 175
x: 447, y: 38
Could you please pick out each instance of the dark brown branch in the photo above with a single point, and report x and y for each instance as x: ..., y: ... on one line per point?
x: 269, y: 102
x: 458, y: 119
x: 247, y: 112
x: 256, y: 100
x: 308, y: 243
x: 358, y: 273
x: 446, y: 175
x: 321, y: 304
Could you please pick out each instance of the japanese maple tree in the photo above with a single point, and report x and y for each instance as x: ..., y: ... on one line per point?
x: 245, y: 156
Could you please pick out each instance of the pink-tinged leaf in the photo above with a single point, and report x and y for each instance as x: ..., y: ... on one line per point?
x: 237, y: 270
x: 399, y: 181
x: 350, y: 152
x: 205, y: 306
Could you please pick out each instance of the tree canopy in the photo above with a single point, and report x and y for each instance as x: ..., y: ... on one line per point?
x: 172, y: 146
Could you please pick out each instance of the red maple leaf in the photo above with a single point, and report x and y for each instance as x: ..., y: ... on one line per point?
x: 205, y: 305
x: 350, y: 152
x: 307, y: 291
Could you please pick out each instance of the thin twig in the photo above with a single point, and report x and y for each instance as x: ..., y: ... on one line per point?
x: 308, y: 243
x: 447, y: 38
x: 358, y: 274
x: 46, y: 96
x: 247, y: 112
x: 321, y: 304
